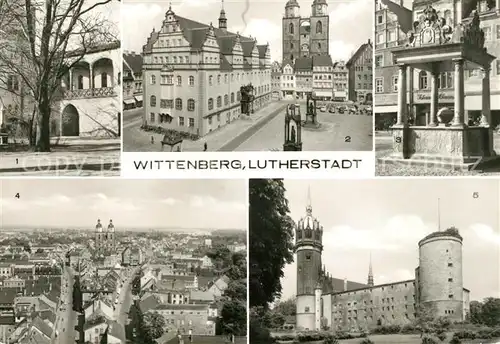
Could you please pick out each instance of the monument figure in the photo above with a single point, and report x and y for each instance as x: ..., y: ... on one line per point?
x: 293, y: 129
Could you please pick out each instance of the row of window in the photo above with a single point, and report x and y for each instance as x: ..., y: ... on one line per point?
x: 319, y: 28
x: 168, y: 79
x: 165, y: 118
x: 169, y: 103
x: 444, y: 81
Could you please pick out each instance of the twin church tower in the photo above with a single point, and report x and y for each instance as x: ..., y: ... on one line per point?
x: 305, y: 37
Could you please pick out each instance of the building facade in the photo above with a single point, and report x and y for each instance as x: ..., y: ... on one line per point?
x: 288, y: 80
x: 276, y: 81
x: 193, y: 72
x: 89, y: 105
x: 303, y: 76
x: 185, y: 317
x: 393, y: 22
x: 324, y: 302
x: 305, y: 37
x: 132, y: 80
x: 322, y: 77
x: 340, y: 82
x: 360, y: 67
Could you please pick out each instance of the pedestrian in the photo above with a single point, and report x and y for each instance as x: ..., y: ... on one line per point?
x: 205, y: 147
x: 152, y: 140
x: 190, y: 335
x: 179, y: 336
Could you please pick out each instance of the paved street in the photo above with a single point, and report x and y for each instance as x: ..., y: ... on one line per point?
x: 66, y: 318
x: 336, y: 133
x: 262, y: 131
x: 99, y: 158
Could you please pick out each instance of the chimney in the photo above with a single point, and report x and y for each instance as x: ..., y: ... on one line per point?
x: 345, y: 284
x: 369, y: 41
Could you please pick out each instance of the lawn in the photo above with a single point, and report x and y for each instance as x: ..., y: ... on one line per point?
x: 410, y: 339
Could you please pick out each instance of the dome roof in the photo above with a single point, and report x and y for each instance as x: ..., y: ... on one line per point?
x: 111, y: 227
x: 98, y: 226
x: 292, y: 3
x: 320, y: 2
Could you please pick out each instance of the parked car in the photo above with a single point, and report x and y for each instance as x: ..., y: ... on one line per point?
x: 331, y: 110
x: 323, y: 109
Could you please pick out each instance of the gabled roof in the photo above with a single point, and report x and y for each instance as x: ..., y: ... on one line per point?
x: 358, y: 52
x: 116, y: 330
x: 322, y: 61
x: 151, y: 302
x: 42, y: 326
x: 304, y: 64
x: 133, y: 62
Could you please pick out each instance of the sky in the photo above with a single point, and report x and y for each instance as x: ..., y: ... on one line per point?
x: 263, y: 21
x: 78, y: 203
x: 387, y: 218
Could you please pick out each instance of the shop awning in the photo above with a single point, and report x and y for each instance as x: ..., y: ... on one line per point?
x: 129, y: 101
x: 138, y: 98
x: 323, y: 94
x: 340, y: 94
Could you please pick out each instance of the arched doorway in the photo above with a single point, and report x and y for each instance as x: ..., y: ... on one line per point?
x: 70, y: 121
x: 369, y: 98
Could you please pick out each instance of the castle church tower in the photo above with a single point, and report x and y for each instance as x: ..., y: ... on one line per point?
x: 309, y: 236
x: 319, y: 28
x: 370, y: 273
x: 291, y: 31
x: 110, y: 236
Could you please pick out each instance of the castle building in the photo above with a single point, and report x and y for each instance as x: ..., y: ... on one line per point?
x: 324, y: 302
x: 305, y: 37
x: 105, y: 241
x: 193, y: 73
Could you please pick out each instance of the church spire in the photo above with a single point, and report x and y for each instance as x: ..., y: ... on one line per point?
x: 309, y: 204
x: 222, y: 17
x: 370, y: 272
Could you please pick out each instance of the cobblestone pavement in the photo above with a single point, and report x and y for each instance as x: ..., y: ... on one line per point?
x: 136, y: 140
x: 336, y: 133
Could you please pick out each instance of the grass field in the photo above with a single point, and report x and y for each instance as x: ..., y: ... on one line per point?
x: 410, y: 339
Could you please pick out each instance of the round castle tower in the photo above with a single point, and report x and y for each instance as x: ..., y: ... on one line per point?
x: 309, y: 236
x: 440, y: 281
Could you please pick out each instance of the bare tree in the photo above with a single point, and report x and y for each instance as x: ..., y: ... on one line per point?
x: 44, y: 40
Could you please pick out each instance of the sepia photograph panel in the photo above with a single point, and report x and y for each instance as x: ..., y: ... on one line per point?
x: 349, y: 262
x: 123, y: 261
x: 60, y: 88
x: 436, y: 87
x: 248, y: 76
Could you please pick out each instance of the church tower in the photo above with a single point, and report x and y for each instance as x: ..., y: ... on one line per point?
x: 319, y: 28
x: 309, y: 236
x: 99, y: 236
x: 110, y: 242
x: 370, y: 273
x: 291, y: 31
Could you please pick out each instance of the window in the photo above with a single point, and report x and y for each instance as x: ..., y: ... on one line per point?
x: 308, y: 256
x: 450, y: 265
x: 395, y: 83
x: 422, y: 80
x: 152, y: 101
x: 306, y: 310
x: 191, y: 122
x: 191, y: 104
x: 226, y: 78
x: 379, y: 85
x: 191, y: 80
x: 80, y: 82
x: 104, y: 80
x: 170, y: 79
x: 290, y: 28
x: 379, y: 61
x: 181, y: 124
x: 232, y: 97
x: 210, y: 80
x: 498, y: 31
x: 219, y: 101
x: 319, y: 27
x: 210, y: 103
x: 218, y: 79
x: 179, y: 80
x: 226, y: 99
x: 380, y: 19
x: 13, y: 83
x: 238, y: 96
x: 487, y: 33
x: 450, y: 296
x: 392, y: 36
x: 380, y: 38
x: 450, y: 279
x: 153, y: 79
x: 178, y: 104
x: 445, y: 80
x: 152, y: 117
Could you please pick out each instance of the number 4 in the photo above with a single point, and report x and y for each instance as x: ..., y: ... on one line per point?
x: 17, y: 195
